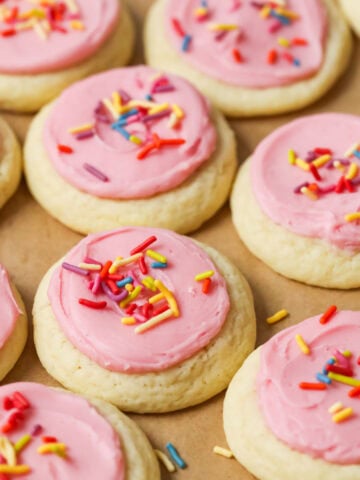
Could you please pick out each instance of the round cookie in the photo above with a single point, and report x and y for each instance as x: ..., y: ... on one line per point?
x: 45, y: 48
x: 170, y: 343
x: 251, y: 61
x: 276, y: 410
x: 10, y: 162
x: 57, y: 434
x: 352, y: 12
x: 150, y: 152
x: 300, y: 192
x: 13, y: 324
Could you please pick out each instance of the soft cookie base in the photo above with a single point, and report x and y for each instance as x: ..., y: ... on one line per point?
x: 10, y: 162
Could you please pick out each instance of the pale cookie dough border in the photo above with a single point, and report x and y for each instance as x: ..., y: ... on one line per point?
x: 193, y: 381
x: 182, y: 209
x: 10, y: 162
x: 28, y: 93
x: 351, y: 9
x: 255, y: 446
x: 241, y: 101
x: 308, y: 260
x: 14, y: 345
x: 141, y: 462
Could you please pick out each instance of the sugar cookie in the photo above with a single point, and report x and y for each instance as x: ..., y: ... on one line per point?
x: 352, y: 12
x: 10, y: 162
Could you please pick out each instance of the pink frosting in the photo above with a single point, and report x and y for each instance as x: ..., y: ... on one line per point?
x: 274, y: 179
x: 27, y: 53
x: 211, y: 52
x: 9, y: 311
x: 100, y: 334
x: 115, y: 156
x: 93, y: 447
x: 300, y: 418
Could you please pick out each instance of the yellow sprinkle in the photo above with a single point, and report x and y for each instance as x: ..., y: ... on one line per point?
x: 204, y: 275
x: 224, y: 452
x: 338, y: 165
x: 347, y: 353
x: 77, y: 25
x: 89, y: 266
x: 82, y: 128
x: 131, y: 296
x: 300, y: 163
x: 154, y: 321
x: 199, y: 12
x: 352, y: 172
x: 135, y: 139
x: 25, y: 25
x: 129, y: 287
x: 302, y: 345
x: 7, y: 451
x: 344, y: 379
x: 320, y: 161
x: 309, y: 193
x: 351, y: 150
x: 336, y: 407
x: 169, y: 297
x: 165, y: 461
x: 158, y: 109
x: 116, y: 100
x: 58, y: 448
x: 343, y: 415
x: 287, y: 13
x: 71, y: 4
x: 178, y: 111
x: 149, y: 283
x: 283, y: 42
x: 128, y: 321
x: 277, y: 316
x: 217, y: 27
x: 14, y: 469
x: 156, y: 298
x: 291, y: 157
x: 352, y: 217
x: 120, y: 262
x: 140, y: 103
x: 265, y: 12
x: 173, y: 120
x: 108, y: 104
x: 22, y: 442
x: 156, y: 256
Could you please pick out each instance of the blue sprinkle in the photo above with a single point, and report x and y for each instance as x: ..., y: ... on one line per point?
x: 323, y: 378
x: 186, y: 42
x: 119, y: 123
x: 175, y: 455
x: 283, y: 20
x: 158, y: 265
x: 356, y: 153
x: 297, y: 62
x: 125, y: 281
x: 204, y: 3
x: 122, y: 131
x: 134, y: 111
x: 331, y: 361
x: 148, y: 97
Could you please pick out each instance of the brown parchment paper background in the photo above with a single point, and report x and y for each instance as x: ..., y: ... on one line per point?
x: 31, y: 241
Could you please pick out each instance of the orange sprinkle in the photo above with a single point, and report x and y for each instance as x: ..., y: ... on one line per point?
x: 299, y: 41
x: 272, y: 57
x: 354, y: 392
x: 65, y: 149
x: 105, y: 269
x: 312, y: 386
x: 206, y: 285
x: 237, y: 55
x: 325, y: 317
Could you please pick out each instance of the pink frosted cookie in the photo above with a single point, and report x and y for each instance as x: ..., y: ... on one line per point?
x: 144, y: 318
x: 10, y: 162
x: 251, y: 58
x: 53, y: 434
x: 130, y: 147
x: 293, y: 409
x: 300, y: 191
x: 13, y: 324
x: 46, y: 46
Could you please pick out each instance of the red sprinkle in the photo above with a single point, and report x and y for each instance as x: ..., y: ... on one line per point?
x: 20, y: 401
x: 65, y: 149
x: 312, y: 386
x: 358, y: 361
x: 144, y: 151
x: 131, y: 308
x: 340, y: 370
x: 113, y: 287
x: 206, y: 285
x: 299, y: 41
x: 237, y: 56
x: 49, y: 439
x: 161, y: 309
x: 115, y: 277
x: 340, y: 185
x: 325, y: 317
x: 147, y: 309
x: 323, y: 151
x: 90, y: 304
x: 177, y: 27
x: 349, y: 186
x: 146, y: 243
x: 272, y: 57
x: 105, y: 270
x: 354, y: 392
x: 8, y: 33
x: 143, y: 266
x: 8, y: 404
x: 314, y: 171
x: 287, y: 56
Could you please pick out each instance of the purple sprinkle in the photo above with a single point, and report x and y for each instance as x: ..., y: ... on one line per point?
x: 163, y: 89
x: 94, y: 171
x: 328, y: 189
x: 125, y: 97
x: 311, y: 156
x: 84, y: 135
x: 344, y: 161
x: 92, y: 260
x: 355, y: 181
x: 275, y: 27
x: 156, y: 116
x: 135, y: 278
x: 133, y: 119
x: 299, y: 187
x: 90, y: 285
x: 74, y: 269
x: 257, y: 5
x: 219, y: 36
x: 37, y: 429
x: 116, y: 298
x: 329, y: 164
x: 97, y: 282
